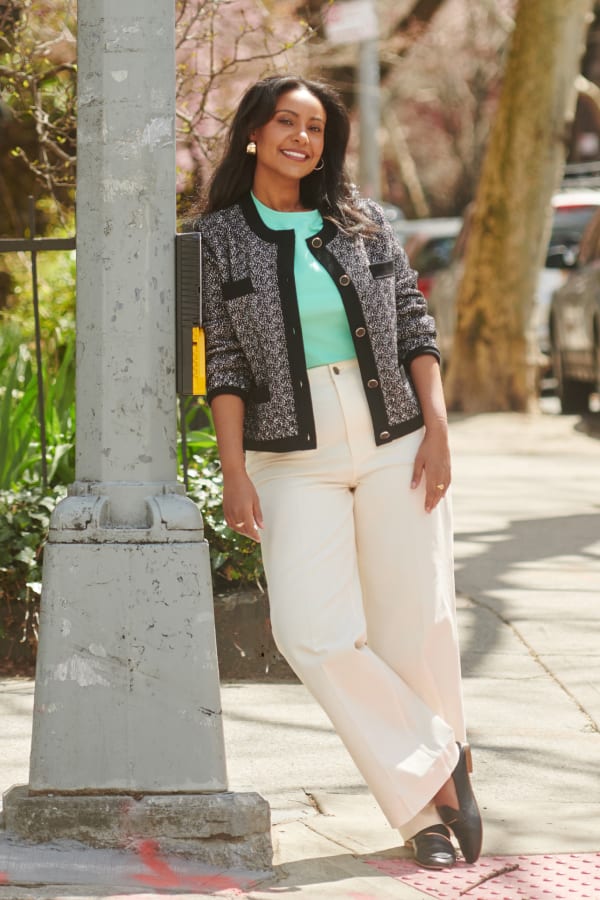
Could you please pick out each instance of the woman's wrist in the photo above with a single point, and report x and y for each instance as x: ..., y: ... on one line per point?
x: 231, y: 469
x: 438, y: 424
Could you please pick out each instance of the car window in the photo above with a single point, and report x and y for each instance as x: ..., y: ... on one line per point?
x: 568, y: 225
x: 433, y: 255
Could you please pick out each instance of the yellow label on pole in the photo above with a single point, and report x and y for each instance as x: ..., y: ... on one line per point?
x: 198, y: 362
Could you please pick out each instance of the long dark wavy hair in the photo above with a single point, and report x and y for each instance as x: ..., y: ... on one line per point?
x: 327, y: 190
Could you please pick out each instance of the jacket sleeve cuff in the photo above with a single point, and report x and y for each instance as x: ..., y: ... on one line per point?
x: 226, y: 389
x: 421, y: 351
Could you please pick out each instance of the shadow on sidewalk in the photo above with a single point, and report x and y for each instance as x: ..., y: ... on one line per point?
x: 590, y: 425
x: 511, y: 560
x: 336, y: 869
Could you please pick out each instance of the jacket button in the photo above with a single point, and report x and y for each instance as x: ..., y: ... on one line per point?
x: 372, y: 383
x: 384, y: 435
x: 344, y: 280
x: 317, y: 242
x: 360, y: 332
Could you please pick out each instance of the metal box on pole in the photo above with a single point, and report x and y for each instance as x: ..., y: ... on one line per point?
x: 190, y: 347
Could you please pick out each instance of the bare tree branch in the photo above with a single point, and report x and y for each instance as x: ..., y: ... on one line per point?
x: 220, y: 46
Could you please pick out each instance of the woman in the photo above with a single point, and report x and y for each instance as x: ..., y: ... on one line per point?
x: 324, y: 385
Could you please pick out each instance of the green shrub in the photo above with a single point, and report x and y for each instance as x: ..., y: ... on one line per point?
x: 25, y: 506
x: 235, y: 560
x: 24, y: 519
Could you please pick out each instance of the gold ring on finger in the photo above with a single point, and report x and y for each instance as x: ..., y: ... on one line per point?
x: 440, y: 487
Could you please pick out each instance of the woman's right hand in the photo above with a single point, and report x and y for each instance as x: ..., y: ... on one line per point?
x: 241, y: 505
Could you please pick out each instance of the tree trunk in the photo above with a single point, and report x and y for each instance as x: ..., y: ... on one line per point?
x: 493, y: 365
x: 421, y: 13
x: 399, y: 150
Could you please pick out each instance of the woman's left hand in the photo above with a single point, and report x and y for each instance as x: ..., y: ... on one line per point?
x: 432, y: 463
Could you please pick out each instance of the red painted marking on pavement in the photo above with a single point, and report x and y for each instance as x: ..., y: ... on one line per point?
x: 165, y: 877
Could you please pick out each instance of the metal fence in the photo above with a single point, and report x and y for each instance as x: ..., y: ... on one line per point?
x: 34, y: 245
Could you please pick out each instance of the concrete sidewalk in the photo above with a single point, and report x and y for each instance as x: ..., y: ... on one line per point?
x: 527, y: 513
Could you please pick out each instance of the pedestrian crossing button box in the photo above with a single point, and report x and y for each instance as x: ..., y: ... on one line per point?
x: 190, y: 347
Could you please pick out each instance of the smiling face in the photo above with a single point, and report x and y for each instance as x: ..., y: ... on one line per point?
x: 290, y: 144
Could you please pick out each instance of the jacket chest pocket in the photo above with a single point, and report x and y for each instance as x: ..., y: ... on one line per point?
x: 384, y: 269
x: 380, y: 297
x: 242, y: 304
x: 232, y: 290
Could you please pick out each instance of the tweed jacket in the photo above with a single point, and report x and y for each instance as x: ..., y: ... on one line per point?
x: 253, y: 333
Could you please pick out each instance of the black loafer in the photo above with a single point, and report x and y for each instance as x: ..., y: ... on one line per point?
x: 433, y: 848
x: 465, y: 822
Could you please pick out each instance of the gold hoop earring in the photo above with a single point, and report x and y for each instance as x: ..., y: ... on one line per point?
x: 251, y: 148
x: 320, y: 167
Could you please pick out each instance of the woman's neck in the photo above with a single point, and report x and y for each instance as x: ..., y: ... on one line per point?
x: 281, y: 198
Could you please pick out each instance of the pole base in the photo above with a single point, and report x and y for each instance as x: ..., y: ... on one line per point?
x: 225, y: 829
x: 127, y: 686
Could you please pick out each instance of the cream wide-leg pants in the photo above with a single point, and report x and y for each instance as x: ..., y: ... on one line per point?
x: 361, y: 590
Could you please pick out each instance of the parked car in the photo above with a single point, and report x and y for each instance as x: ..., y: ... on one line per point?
x: 396, y: 218
x: 575, y: 324
x: 572, y: 210
x: 430, y: 246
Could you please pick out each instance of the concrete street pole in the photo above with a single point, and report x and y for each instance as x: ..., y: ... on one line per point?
x: 369, y: 113
x: 356, y: 22
x: 127, y: 691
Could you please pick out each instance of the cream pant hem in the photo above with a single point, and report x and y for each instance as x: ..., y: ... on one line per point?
x: 361, y: 591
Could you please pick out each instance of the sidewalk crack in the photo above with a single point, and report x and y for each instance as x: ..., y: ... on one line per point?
x: 593, y: 725
x: 315, y: 803
x: 329, y: 838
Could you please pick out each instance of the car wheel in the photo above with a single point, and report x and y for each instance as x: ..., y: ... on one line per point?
x: 574, y: 395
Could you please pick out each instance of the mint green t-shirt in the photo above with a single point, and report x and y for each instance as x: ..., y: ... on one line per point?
x: 325, y: 329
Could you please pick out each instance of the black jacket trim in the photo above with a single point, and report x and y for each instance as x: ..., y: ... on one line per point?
x: 396, y: 431
x: 274, y: 236
x: 281, y: 445
x: 255, y: 222
x: 284, y: 239
x: 290, y: 445
x: 294, y: 340
x: 422, y: 351
x: 226, y: 389
x: 238, y: 257
x: 233, y: 289
x: 382, y: 269
x: 259, y: 394
x: 362, y: 345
